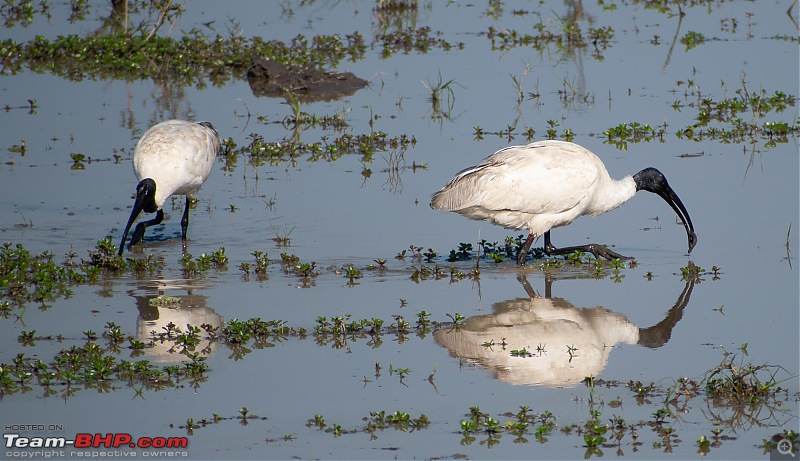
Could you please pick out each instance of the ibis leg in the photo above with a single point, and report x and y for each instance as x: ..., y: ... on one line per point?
x: 185, y: 218
x: 138, y: 233
x: 523, y: 252
x: 527, y: 286
x: 599, y: 251
x: 548, y: 287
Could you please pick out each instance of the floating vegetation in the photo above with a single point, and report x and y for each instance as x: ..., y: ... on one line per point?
x: 726, y: 120
x: 745, y: 117
x: 566, y: 39
x: 37, y: 278
x: 375, y: 422
x: 692, y: 39
x: 243, y: 418
x: 189, y: 60
x: 25, y: 278
x: 785, y: 442
x: 494, y: 251
x: 670, y: 8
x: 260, y: 267
x: 736, y: 383
x: 91, y: 366
x: 165, y: 301
x: 597, y: 433
x: 633, y: 132
x: 203, y: 263
x: 22, y: 13
x: 497, y: 252
x: 420, y: 40
x: 734, y: 394
x: 261, y: 152
x: 28, y: 278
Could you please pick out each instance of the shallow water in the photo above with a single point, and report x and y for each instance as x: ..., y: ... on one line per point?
x: 743, y: 198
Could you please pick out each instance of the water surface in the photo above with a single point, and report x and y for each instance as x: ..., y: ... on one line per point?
x: 742, y: 197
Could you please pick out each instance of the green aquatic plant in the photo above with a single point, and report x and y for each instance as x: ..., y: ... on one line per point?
x: 25, y: 277
x: 352, y: 273
x: 442, y: 97
x: 421, y: 40
x: 26, y: 338
x: 165, y: 301
x: 305, y: 270
x: 739, y: 118
x: 520, y: 353
x: 738, y: 382
x: 183, y: 60
x: 274, y: 153
x: 261, y: 264
x: 633, y: 132
x: 243, y: 417
x: 692, y: 39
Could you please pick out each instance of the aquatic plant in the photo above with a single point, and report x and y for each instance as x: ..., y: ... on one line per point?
x: 724, y: 119
x: 25, y: 277
x: 186, y: 61
x: 738, y: 383
x: 421, y: 40
x: 692, y: 39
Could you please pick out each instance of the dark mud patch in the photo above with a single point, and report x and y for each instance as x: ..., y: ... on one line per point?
x: 307, y: 84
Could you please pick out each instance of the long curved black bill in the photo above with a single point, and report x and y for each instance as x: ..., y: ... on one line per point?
x: 138, y: 205
x: 671, y: 197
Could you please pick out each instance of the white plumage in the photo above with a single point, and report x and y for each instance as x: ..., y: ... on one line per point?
x: 548, y: 184
x: 172, y: 158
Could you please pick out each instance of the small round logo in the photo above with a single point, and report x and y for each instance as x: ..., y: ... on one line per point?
x: 785, y: 447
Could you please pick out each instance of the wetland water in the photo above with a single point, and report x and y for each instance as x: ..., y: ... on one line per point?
x: 716, y: 87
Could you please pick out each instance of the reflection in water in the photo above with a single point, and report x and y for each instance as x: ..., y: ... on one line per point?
x: 191, y: 309
x: 546, y: 327
x: 674, y: 39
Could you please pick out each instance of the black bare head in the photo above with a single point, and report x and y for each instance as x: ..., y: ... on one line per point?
x: 146, y: 192
x: 652, y: 180
x: 145, y: 201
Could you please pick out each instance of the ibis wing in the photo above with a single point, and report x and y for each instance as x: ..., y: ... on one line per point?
x: 179, y: 155
x: 535, y: 179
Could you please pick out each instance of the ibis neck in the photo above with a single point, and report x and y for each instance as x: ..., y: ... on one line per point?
x: 613, y: 194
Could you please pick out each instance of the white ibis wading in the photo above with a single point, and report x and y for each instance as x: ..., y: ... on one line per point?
x: 549, y: 184
x: 172, y: 158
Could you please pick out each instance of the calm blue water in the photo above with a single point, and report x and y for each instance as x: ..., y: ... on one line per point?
x: 742, y: 199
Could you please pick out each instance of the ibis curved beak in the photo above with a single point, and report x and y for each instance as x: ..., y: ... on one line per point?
x: 138, y: 205
x: 145, y: 200
x: 671, y: 197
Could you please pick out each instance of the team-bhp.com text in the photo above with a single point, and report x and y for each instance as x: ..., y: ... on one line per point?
x: 52, y: 447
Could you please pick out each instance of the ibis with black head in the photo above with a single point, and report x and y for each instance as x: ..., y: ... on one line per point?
x: 549, y: 184
x: 173, y: 157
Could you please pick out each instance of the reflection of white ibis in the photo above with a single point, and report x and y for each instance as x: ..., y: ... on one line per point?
x: 545, y: 327
x: 549, y: 184
x: 172, y: 158
x: 190, y: 309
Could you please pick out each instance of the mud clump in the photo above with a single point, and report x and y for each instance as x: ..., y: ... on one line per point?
x: 306, y: 84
